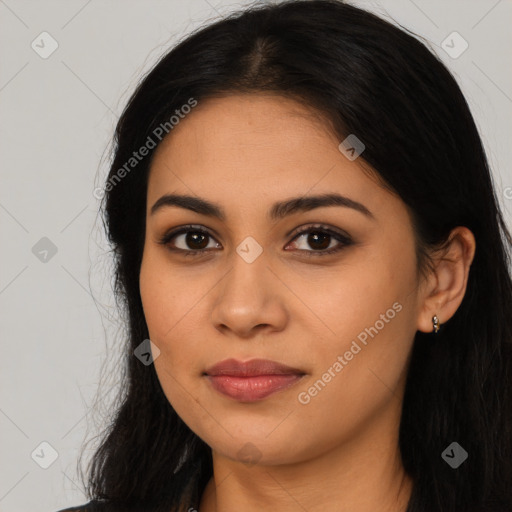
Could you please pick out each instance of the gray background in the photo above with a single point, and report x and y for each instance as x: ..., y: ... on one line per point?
x: 58, y: 319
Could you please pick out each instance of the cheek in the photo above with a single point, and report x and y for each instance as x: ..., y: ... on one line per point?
x: 166, y: 297
x: 359, y: 374
x: 176, y: 364
x: 169, y: 308
x: 361, y: 299
x: 369, y: 309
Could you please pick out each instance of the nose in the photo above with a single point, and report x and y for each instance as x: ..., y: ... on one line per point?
x: 250, y: 300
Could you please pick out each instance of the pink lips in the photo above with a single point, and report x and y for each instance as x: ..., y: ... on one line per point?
x: 252, y: 380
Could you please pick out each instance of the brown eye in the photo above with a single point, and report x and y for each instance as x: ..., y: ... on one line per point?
x: 321, y: 240
x: 194, y: 241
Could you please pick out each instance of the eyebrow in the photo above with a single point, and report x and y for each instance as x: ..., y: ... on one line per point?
x: 278, y: 211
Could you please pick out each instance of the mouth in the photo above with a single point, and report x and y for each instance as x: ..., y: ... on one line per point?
x: 252, y: 380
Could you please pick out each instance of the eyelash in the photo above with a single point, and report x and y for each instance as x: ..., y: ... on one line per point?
x: 319, y: 228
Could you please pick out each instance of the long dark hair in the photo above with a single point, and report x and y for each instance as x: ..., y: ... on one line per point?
x: 367, y: 77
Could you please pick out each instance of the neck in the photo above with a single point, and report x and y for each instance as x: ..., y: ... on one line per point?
x: 364, y: 474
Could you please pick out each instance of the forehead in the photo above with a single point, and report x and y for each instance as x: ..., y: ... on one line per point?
x: 247, y: 121
x: 253, y: 147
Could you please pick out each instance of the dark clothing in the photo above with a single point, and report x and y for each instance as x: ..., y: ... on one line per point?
x: 88, y: 507
x: 98, y: 506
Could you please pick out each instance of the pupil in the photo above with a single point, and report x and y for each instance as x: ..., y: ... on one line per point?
x: 313, y: 240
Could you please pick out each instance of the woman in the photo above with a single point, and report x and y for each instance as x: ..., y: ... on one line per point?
x: 314, y: 268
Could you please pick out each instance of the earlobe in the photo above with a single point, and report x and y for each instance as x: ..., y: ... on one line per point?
x: 448, y: 282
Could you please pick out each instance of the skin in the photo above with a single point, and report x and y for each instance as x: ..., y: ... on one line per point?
x: 340, y: 450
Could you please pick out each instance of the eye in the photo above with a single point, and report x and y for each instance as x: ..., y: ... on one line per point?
x: 194, y: 240
x: 322, y: 239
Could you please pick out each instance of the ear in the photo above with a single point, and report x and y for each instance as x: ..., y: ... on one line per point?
x: 446, y: 284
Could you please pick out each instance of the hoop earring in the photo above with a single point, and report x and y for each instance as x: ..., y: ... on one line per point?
x: 436, y: 323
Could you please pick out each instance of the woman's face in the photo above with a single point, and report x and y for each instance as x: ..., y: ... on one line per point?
x: 267, y: 285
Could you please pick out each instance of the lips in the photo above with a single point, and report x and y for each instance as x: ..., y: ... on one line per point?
x: 251, y: 368
x: 251, y: 380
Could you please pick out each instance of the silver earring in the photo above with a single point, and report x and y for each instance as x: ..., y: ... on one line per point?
x: 436, y: 323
